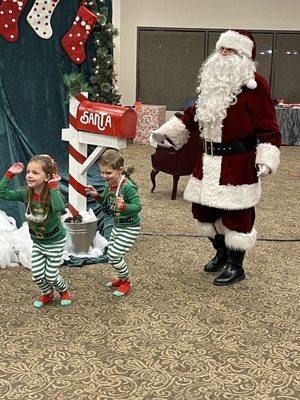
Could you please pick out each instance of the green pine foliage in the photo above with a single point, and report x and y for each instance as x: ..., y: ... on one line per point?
x: 103, y: 79
x: 102, y: 86
x: 75, y: 83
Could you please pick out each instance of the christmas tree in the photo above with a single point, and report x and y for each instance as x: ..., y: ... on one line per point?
x: 102, y: 86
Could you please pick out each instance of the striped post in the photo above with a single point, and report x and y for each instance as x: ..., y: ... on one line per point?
x: 79, y: 163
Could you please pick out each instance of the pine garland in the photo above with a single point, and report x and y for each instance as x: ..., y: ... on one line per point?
x: 75, y: 83
x: 102, y: 87
x: 103, y: 79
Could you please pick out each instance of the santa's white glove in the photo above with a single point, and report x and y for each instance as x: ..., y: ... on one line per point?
x: 263, y: 170
x: 156, y: 138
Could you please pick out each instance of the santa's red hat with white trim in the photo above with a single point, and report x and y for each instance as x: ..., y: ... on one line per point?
x: 242, y: 42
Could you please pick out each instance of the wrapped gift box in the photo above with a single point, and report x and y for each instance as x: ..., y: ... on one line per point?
x: 149, y: 117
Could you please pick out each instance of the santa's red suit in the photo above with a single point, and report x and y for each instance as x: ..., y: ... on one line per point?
x: 230, y: 182
x: 238, y: 140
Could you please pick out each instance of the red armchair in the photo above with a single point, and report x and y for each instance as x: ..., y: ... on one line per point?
x: 176, y: 163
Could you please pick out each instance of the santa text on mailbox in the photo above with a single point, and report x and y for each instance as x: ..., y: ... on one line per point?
x: 100, y: 119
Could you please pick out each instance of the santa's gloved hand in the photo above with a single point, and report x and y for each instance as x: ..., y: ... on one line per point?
x: 263, y: 170
x: 156, y: 137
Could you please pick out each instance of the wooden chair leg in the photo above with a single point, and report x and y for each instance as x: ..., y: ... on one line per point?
x: 153, y: 174
x: 175, y: 184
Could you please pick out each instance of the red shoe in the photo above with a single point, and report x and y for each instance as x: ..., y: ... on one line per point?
x: 43, y: 299
x: 114, y: 284
x: 123, y: 289
x: 65, y: 298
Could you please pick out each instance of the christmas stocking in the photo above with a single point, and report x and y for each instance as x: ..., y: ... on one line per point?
x: 10, y: 11
x: 74, y: 40
x: 40, y: 15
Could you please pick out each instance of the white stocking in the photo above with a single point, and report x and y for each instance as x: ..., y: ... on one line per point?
x: 40, y: 15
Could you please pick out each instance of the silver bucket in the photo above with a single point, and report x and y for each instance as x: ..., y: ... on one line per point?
x: 80, y: 236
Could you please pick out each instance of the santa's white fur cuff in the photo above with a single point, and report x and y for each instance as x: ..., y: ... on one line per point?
x: 269, y: 155
x: 240, y: 241
x: 174, y: 130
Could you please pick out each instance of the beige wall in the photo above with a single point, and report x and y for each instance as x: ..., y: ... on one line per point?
x: 129, y: 14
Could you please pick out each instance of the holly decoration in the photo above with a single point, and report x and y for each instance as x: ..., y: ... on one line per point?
x: 76, y: 219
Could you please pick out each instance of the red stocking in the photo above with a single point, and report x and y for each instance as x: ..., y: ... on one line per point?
x: 10, y: 11
x: 74, y: 40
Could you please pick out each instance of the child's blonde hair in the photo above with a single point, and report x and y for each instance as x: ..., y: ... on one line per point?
x: 112, y: 158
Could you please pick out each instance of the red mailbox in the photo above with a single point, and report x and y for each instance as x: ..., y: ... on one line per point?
x: 106, y: 119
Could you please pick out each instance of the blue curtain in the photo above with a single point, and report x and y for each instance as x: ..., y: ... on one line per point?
x: 33, y: 99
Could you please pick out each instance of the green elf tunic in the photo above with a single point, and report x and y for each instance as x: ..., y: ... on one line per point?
x: 49, y: 230
x: 129, y: 215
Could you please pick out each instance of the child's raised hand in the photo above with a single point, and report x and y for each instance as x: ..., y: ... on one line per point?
x: 16, y: 168
x: 89, y: 189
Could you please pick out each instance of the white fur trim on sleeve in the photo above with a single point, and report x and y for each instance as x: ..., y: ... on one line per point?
x: 174, y: 130
x: 269, y: 155
x: 153, y: 141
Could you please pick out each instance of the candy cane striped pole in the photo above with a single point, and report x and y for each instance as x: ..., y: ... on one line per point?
x: 79, y: 163
x: 77, y: 156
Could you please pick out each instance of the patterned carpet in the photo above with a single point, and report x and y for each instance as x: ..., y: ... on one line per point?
x: 176, y: 336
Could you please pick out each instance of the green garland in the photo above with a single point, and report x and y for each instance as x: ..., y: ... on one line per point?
x: 75, y: 83
x: 102, y: 86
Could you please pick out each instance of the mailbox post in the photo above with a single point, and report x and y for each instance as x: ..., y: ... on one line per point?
x: 102, y: 125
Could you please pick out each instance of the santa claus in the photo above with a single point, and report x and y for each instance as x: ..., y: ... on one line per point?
x: 236, y: 120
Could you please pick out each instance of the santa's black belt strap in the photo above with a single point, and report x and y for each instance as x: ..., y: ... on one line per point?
x: 229, y: 148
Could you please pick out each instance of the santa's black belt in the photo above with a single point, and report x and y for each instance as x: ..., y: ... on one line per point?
x: 229, y: 148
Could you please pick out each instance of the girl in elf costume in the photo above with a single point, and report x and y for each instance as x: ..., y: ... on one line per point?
x: 121, y: 199
x: 44, y: 204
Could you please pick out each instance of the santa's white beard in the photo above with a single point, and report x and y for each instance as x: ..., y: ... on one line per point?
x: 221, y: 80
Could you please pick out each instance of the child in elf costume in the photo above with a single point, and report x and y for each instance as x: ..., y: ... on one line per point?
x: 120, y: 198
x: 44, y: 205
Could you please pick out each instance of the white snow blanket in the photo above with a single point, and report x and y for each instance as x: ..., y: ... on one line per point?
x: 16, y: 244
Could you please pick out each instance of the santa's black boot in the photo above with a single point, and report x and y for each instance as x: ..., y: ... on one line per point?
x: 220, y: 259
x: 234, y: 271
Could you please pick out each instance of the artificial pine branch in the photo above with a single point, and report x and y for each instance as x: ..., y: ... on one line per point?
x: 103, y: 78
x: 75, y: 84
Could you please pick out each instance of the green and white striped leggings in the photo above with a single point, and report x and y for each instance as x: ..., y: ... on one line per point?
x: 120, y: 242
x: 45, y: 262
